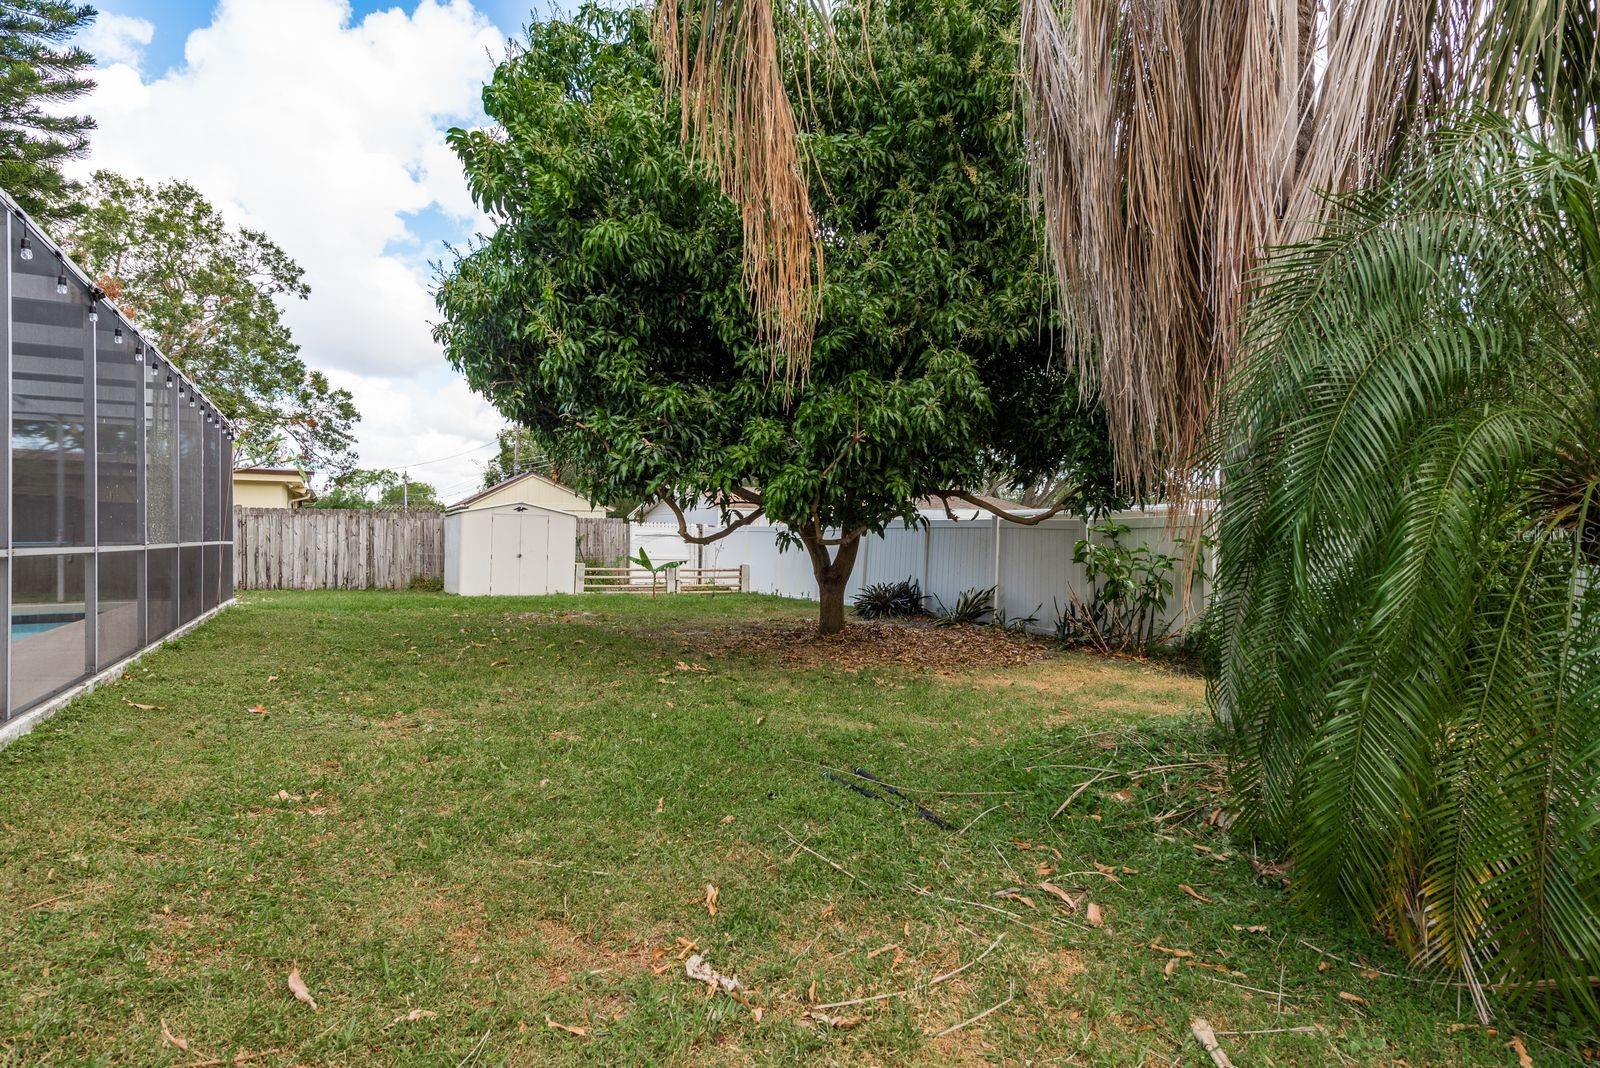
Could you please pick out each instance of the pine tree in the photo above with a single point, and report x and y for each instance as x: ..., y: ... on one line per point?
x: 40, y: 70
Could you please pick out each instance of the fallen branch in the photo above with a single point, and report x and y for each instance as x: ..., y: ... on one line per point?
x: 935, y: 981
x: 1079, y: 791
x: 835, y: 866
x: 62, y: 897
x: 974, y: 1019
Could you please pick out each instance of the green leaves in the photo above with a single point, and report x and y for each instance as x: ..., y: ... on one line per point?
x: 207, y: 295
x: 608, y: 315
x: 1409, y: 615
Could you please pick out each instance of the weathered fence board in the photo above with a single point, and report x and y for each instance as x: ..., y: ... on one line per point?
x: 328, y: 548
x: 602, y: 541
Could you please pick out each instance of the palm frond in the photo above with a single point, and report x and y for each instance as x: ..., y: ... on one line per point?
x: 1409, y: 614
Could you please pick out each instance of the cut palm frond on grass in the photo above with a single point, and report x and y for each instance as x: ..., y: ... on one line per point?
x: 1409, y: 609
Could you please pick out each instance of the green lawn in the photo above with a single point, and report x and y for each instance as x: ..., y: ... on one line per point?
x: 465, y: 821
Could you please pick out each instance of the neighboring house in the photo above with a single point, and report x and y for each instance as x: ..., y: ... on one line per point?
x: 269, y: 487
x: 703, y: 511
x: 535, y: 489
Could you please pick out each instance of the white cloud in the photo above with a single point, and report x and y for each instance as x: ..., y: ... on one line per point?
x: 327, y: 133
x: 117, y: 39
x: 433, y: 416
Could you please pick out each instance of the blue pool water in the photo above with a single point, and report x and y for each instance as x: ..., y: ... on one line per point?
x: 20, y: 630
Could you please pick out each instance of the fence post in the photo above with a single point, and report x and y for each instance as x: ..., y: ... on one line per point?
x: 577, y: 577
x: 744, y: 578
x: 672, y: 580
x: 999, y: 594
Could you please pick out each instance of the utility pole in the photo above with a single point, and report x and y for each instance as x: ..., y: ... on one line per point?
x: 405, y: 491
x: 516, y: 450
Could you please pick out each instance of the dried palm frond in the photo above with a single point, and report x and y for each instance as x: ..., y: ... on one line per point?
x: 721, y: 59
x: 1171, y: 142
x: 1174, y: 140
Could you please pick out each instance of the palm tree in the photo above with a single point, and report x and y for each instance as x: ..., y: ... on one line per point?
x: 1410, y: 561
x: 1171, y: 141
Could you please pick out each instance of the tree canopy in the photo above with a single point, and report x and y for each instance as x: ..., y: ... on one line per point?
x: 607, y: 312
x: 363, y: 487
x: 41, y: 72
x: 208, y: 295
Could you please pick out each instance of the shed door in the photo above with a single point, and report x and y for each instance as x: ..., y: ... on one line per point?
x: 505, y: 555
x: 534, y: 562
x: 519, y: 547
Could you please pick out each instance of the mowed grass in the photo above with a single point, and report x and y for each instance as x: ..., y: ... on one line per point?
x: 483, y: 831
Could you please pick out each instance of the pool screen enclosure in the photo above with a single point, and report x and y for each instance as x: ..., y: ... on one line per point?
x: 116, y: 490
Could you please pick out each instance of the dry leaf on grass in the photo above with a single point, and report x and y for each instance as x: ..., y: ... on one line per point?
x: 837, y: 1023
x: 711, y: 898
x: 1516, y: 1046
x: 1354, y: 999
x: 1192, y: 892
x: 170, y: 1039
x: 1074, y: 900
x: 136, y: 704
x: 297, y: 987
x: 556, y: 1025
x: 1093, y: 914
x: 1169, y: 951
x: 259, y: 710
x: 413, y: 1016
x: 1171, y: 966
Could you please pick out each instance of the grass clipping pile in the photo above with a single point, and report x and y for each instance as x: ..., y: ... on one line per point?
x: 878, y: 643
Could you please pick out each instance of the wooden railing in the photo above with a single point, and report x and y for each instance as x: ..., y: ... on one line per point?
x: 669, y: 580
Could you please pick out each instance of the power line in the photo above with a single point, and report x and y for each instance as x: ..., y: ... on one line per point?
x: 452, y: 456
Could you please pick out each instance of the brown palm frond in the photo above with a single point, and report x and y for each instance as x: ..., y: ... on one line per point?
x: 1173, y: 140
x: 721, y: 59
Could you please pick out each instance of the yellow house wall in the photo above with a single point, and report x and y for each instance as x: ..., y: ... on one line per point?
x: 542, y: 493
x: 260, y: 494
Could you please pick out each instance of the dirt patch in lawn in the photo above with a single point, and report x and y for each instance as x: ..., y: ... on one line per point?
x: 912, y: 643
x: 1090, y: 683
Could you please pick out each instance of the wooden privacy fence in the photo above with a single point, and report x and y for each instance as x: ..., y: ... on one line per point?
x: 669, y: 580
x: 329, y: 548
x: 603, y: 542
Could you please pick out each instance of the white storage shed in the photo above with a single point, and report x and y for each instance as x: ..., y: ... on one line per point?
x: 509, y: 549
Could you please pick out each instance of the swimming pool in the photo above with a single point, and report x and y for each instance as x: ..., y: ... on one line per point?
x: 23, y: 627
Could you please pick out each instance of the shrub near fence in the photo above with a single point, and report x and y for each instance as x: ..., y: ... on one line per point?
x: 328, y: 548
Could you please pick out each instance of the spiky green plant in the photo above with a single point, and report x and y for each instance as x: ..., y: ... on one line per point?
x: 1409, y: 612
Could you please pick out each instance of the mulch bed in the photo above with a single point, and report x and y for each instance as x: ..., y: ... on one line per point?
x: 908, y: 643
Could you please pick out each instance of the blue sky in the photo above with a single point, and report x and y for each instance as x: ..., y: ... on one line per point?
x: 322, y: 123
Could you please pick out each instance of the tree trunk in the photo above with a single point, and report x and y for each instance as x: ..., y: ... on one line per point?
x: 833, y: 575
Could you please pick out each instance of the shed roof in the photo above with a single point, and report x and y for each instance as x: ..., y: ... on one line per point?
x: 523, y: 476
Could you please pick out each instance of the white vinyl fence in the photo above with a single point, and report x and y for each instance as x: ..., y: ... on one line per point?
x: 1031, y: 568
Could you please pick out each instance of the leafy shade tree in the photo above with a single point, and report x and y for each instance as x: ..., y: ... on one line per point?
x: 362, y: 487
x: 208, y: 295
x: 40, y: 73
x: 608, y: 312
x: 1409, y: 549
x: 1170, y: 141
